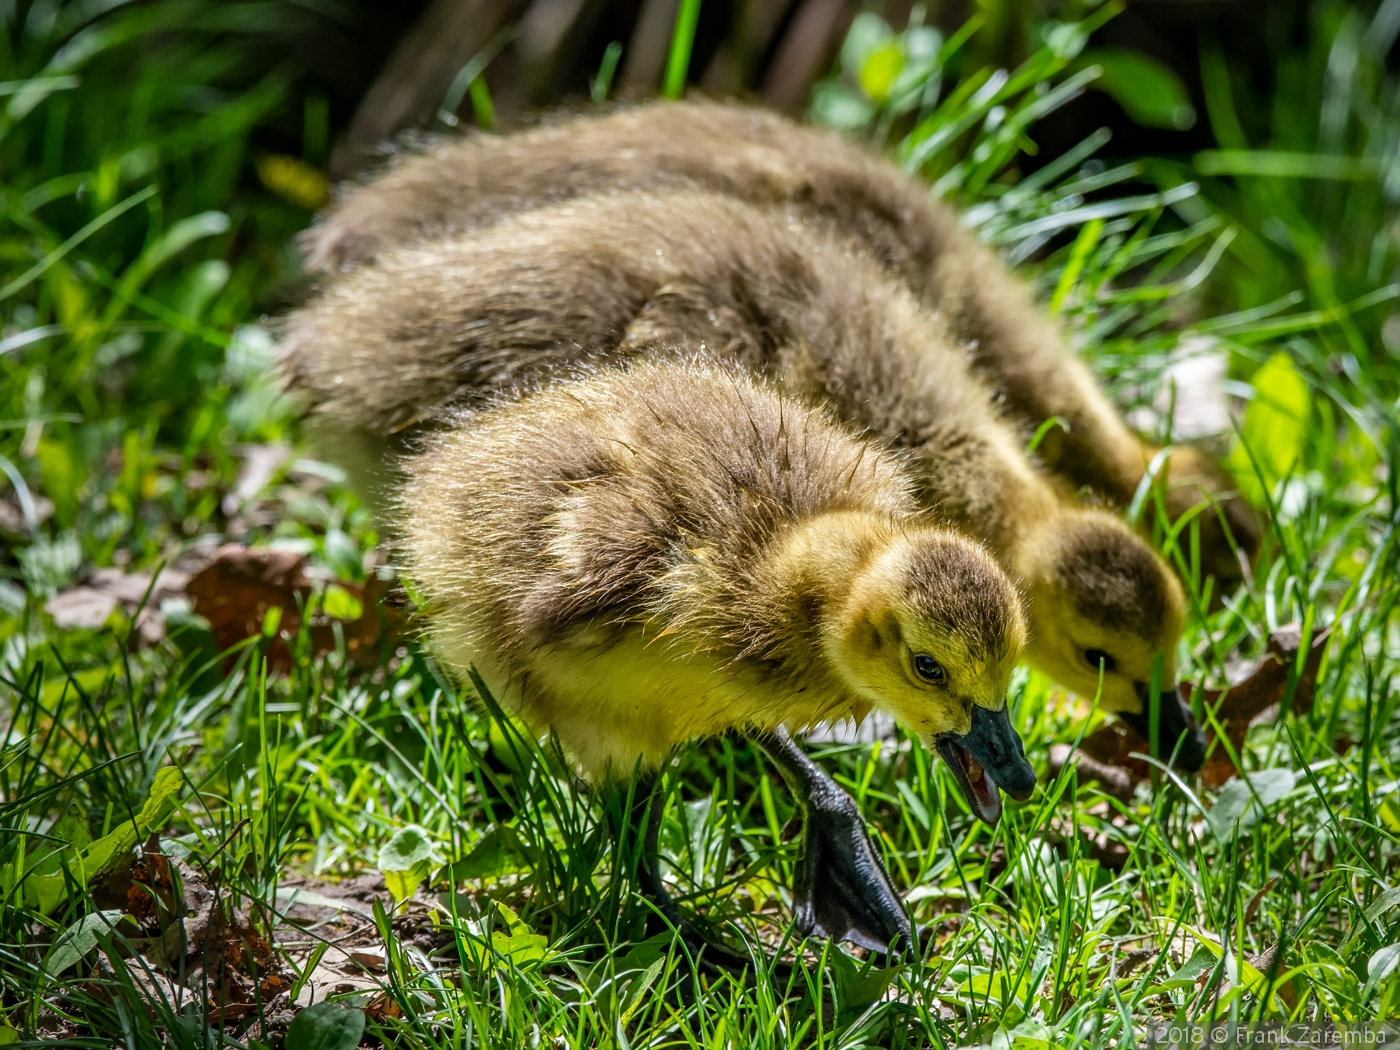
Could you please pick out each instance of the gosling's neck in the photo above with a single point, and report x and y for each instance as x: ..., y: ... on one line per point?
x: 815, y: 572
x: 1032, y: 551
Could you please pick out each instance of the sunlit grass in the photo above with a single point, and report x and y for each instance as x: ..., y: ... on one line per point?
x: 137, y: 245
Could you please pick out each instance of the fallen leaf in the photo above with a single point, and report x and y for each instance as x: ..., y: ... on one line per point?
x: 336, y: 974
x: 83, y: 607
x: 90, y: 604
x: 382, y: 1007
x: 292, y: 896
x: 241, y: 586
x: 238, y: 588
x: 1259, y: 694
x: 371, y: 959
x: 132, y: 588
x: 1114, y: 780
x: 12, y: 519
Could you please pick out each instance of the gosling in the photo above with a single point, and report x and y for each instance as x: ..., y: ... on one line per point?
x: 610, y: 278
x: 813, y: 176
x: 643, y: 558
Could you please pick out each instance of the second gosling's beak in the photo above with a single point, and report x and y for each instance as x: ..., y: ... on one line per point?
x: 989, y: 756
x: 1177, y: 729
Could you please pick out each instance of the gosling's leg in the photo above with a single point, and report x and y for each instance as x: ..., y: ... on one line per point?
x: 649, y: 865
x: 651, y: 799
x: 840, y: 888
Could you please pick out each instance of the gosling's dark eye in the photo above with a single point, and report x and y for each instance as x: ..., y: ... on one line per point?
x: 1097, y: 658
x: 929, y: 669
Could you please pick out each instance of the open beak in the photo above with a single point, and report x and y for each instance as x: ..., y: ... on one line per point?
x: 989, y: 757
x: 1177, y: 729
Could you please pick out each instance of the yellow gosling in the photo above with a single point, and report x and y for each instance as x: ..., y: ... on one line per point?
x: 817, y: 177
x: 650, y: 556
x: 615, y: 277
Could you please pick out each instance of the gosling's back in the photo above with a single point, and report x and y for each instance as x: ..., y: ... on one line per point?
x: 608, y: 555
x: 646, y: 495
x: 608, y: 278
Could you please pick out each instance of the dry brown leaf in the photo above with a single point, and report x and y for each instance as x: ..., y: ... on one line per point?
x: 240, y: 585
x: 1240, y: 705
x: 90, y: 604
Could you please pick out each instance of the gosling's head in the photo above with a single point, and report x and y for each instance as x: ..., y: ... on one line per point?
x: 1105, y: 615
x: 929, y: 633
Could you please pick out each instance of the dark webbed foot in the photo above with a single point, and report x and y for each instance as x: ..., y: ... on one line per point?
x: 840, y: 889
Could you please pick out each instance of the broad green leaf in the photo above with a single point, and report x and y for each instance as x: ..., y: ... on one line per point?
x: 518, y: 943
x: 1275, y: 426
x: 868, y: 34
x: 500, y: 852
x: 522, y: 949
x: 403, y: 883
x: 838, y: 106
x: 1148, y: 90
x: 879, y: 70
x: 1031, y: 1034
x: 1236, y: 801
x: 1335, y: 979
x: 79, y: 939
x: 514, y: 923
x: 44, y: 893
x: 340, y: 604
x: 163, y: 787
x: 1185, y: 976
x: 408, y: 847
x: 639, y: 984
x: 405, y: 860
x: 868, y: 989
x: 1380, y: 966
x: 72, y: 828
x: 326, y: 1026
x: 1001, y: 986
x: 1387, y: 900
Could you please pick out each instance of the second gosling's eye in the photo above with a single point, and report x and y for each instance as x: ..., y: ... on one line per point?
x: 1098, y: 658
x: 929, y: 669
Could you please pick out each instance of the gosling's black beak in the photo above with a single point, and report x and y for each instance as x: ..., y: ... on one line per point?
x: 988, y: 757
x: 1177, y: 729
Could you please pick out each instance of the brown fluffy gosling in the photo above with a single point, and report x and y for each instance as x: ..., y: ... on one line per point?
x: 642, y: 558
x: 813, y: 175
x: 612, y: 277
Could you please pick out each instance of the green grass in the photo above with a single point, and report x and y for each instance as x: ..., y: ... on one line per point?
x: 139, y: 247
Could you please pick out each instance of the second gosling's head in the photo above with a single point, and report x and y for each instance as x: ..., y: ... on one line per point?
x: 1106, y: 614
x: 930, y: 633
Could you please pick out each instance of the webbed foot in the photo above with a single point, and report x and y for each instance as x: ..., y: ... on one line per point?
x: 840, y: 888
